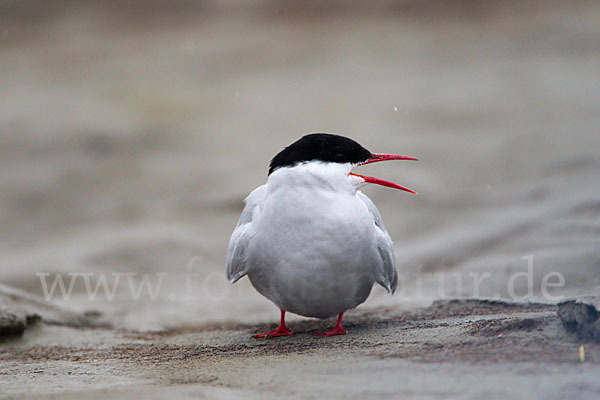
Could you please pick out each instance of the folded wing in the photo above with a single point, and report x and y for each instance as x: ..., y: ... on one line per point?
x: 386, y: 275
x: 236, y: 261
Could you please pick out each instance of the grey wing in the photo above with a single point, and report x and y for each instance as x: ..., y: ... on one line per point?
x: 387, y: 275
x: 236, y: 262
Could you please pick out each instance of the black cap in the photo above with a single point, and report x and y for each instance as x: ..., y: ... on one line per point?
x: 320, y: 147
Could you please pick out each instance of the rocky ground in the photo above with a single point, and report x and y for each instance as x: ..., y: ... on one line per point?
x: 465, y: 348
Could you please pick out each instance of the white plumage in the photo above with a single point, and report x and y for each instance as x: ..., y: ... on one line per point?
x: 311, y: 242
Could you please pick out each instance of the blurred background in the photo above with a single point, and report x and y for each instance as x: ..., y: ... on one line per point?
x: 130, y: 133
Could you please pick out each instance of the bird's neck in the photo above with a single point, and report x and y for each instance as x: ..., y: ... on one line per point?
x: 314, y: 175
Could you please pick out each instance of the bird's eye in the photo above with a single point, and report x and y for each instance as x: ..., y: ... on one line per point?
x: 338, y: 156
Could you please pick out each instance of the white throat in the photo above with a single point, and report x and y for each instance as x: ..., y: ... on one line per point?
x: 315, y: 175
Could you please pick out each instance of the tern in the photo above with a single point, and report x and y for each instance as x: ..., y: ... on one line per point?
x: 309, y: 240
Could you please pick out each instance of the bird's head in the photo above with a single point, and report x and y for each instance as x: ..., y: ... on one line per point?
x: 335, y: 149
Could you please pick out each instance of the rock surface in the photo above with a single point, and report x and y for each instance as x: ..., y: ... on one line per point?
x: 11, y: 323
x: 20, y: 310
x: 580, y: 318
x: 470, y: 348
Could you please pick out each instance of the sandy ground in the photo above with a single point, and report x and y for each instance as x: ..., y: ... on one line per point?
x: 130, y: 134
x: 468, y: 349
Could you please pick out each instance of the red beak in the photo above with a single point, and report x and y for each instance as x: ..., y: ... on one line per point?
x: 385, y: 157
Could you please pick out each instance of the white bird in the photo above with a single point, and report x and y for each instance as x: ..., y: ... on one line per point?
x: 309, y: 240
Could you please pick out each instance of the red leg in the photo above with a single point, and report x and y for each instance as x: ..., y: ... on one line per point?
x: 281, y: 330
x: 338, y: 330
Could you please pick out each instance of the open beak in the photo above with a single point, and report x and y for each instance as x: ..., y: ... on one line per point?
x: 377, y: 157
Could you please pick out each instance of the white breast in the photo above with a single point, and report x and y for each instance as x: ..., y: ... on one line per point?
x: 313, y: 247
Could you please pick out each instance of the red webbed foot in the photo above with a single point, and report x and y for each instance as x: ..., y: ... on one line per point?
x: 338, y: 330
x: 333, y: 332
x: 281, y: 330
